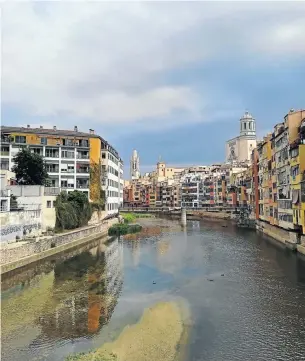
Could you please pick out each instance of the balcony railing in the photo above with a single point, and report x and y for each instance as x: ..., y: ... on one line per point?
x: 82, y: 156
x: 51, y: 191
x: 284, y: 203
x: 5, y: 153
x: 82, y: 186
x: 83, y: 170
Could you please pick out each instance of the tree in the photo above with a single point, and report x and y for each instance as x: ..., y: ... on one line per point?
x: 29, y: 168
x: 72, y: 210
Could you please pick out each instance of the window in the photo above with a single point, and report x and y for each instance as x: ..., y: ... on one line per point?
x: 20, y: 139
x: 245, y: 126
x: 44, y: 141
x: 54, y: 202
x: 48, y: 204
x: 103, y: 155
x: 249, y: 125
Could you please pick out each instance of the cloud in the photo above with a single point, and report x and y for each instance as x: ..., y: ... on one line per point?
x: 107, y: 62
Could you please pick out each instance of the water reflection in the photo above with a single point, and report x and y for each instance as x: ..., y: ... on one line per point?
x: 75, y: 299
x: 94, y: 281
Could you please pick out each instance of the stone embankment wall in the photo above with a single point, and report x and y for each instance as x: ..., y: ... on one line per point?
x: 212, y: 215
x: 301, y: 246
x: 20, y: 224
x: 11, y: 254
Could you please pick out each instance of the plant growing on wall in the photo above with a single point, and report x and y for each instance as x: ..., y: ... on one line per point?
x: 29, y: 168
x: 97, y: 195
x: 72, y: 210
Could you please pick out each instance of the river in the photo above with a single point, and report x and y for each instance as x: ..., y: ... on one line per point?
x: 245, y: 296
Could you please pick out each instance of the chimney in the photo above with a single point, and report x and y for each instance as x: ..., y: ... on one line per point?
x: 91, y: 131
x: 41, y: 127
x: 54, y: 127
x: 75, y: 128
x: 28, y: 126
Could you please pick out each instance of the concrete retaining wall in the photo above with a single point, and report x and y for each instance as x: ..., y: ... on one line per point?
x: 52, y: 245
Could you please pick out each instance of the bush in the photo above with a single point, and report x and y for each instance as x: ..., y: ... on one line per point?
x: 121, y: 229
x: 129, y: 217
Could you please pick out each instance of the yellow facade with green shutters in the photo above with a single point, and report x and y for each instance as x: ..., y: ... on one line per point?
x: 297, y: 166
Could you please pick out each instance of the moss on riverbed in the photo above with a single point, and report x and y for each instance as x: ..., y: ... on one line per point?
x: 155, y: 337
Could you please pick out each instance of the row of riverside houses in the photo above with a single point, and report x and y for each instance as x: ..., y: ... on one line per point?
x: 279, y: 180
x: 74, y: 160
x: 270, y: 187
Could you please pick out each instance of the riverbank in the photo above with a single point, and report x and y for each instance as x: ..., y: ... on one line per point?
x: 16, y: 256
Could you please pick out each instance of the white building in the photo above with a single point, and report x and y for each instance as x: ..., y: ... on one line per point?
x: 112, y: 178
x: 239, y: 149
x: 69, y: 155
x: 134, y: 165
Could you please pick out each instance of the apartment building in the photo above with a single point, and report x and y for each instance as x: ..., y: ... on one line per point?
x: 70, y: 155
x: 265, y: 181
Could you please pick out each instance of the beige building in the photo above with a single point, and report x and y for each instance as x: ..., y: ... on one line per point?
x: 239, y: 149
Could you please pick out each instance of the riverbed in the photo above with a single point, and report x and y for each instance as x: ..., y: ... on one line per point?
x: 233, y: 295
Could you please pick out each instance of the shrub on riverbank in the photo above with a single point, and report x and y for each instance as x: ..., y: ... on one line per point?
x: 129, y: 217
x: 120, y: 229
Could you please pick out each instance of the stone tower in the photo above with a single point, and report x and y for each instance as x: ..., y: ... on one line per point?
x: 134, y: 165
x: 247, y: 125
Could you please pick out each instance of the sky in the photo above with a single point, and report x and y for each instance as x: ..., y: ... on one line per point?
x: 170, y: 79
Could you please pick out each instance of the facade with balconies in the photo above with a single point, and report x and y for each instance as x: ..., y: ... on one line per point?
x: 69, y: 157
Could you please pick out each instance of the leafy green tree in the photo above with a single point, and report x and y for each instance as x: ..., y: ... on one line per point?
x: 29, y: 168
x: 72, y: 210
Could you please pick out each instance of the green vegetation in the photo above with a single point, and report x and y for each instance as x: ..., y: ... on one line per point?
x: 72, y: 210
x: 29, y: 168
x: 131, y: 217
x: 120, y: 229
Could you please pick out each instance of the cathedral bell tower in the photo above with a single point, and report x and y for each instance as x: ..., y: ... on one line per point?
x: 247, y: 125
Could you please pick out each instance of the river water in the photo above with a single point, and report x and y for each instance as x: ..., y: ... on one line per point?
x: 246, y: 296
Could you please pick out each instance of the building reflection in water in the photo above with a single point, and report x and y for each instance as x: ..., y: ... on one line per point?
x: 86, y: 291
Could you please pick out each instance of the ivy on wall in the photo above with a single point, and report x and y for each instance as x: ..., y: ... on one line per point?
x: 97, y: 195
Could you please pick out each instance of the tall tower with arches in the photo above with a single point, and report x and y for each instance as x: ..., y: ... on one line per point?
x: 239, y: 149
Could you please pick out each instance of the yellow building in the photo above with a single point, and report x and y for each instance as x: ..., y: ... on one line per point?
x: 297, y: 178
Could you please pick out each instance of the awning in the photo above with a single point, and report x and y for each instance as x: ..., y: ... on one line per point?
x: 295, y: 196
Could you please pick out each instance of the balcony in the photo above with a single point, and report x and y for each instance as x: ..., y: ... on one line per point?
x: 82, y: 185
x: 82, y: 156
x: 51, y: 191
x: 284, y: 203
x: 52, y: 169
x: 5, y: 153
x: 83, y: 170
x: 295, y: 179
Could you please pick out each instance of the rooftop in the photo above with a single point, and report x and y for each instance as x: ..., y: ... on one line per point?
x: 54, y: 131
